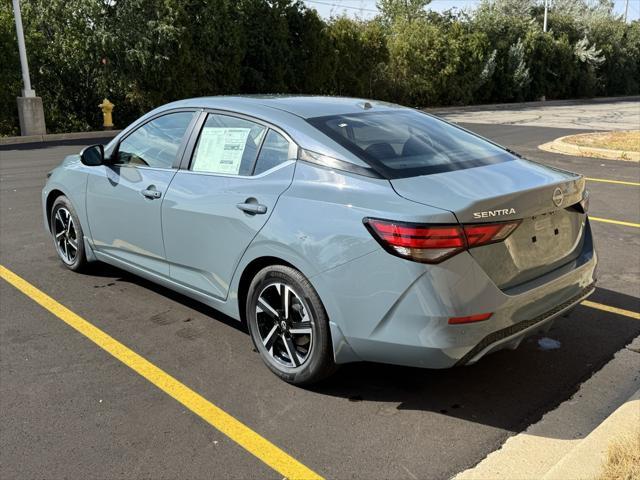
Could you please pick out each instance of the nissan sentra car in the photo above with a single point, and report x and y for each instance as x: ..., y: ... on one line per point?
x: 339, y: 229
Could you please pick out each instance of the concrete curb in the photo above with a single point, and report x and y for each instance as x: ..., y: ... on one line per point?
x: 536, y: 451
x: 586, y: 459
x: 559, y: 145
x: 54, y: 137
x: 538, y: 103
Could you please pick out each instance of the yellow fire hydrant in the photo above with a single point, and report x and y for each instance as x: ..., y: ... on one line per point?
x: 107, y: 108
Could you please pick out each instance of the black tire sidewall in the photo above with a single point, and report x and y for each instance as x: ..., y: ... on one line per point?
x: 80, y: 260
x: 320, y: 363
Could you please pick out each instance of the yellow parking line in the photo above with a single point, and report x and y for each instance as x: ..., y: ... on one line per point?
x: 617, y: 182
x: 615, y: 222
x: 607, y: 308
x: 259, y: 446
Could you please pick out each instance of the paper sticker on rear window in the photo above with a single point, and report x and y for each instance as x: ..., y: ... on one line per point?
x: 220, y: 150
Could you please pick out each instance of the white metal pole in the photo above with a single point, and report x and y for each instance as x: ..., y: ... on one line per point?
x: 27, y: 91
x: 546, y: 8
x: 626, y: 9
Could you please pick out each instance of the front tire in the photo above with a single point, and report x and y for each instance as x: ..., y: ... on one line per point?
x: 289, y: 325
x: 68, y: 237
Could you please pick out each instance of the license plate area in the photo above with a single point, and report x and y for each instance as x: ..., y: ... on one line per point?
x: 540, y: 244
x: 545, y: 228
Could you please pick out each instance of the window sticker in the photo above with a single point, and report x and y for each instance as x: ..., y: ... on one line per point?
x: 220, y: 150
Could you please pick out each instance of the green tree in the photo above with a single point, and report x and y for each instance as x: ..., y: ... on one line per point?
x: 210, y: 48
x: 310, y: 55
x: 405, y: 10
x: 359, y: 55
x: 265, y: 66
x: 433, y: 65
x: 518, y: 71
x: 144, y: 53
x: 619, y: 73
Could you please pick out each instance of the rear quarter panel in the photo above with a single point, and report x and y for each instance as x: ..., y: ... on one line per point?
x: 317, y: 224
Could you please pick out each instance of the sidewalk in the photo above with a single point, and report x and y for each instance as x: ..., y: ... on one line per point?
x: 606, y: 113
x: 570, y: 442
x: 54, y: 137
x: 586, y: 459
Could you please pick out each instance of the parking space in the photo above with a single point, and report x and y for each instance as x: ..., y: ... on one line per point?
x: 63, y: 417
x: 69, y: 409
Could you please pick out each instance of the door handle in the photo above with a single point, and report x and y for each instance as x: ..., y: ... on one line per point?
x: 151, y: 193
x: 252, y: 208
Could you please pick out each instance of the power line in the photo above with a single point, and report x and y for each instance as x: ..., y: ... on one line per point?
x: 365, y: 9
x: 342, y: 6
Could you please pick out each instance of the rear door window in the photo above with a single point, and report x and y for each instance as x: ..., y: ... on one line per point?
x: 228, y: 145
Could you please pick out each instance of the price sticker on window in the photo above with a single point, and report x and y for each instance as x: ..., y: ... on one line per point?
x: 220, y: 150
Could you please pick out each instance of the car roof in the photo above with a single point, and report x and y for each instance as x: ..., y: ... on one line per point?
x: 304, y: 106
x: 288, y: 112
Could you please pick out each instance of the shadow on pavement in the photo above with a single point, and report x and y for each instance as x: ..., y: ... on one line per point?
x: 508, y: 389
x: 108, y: 271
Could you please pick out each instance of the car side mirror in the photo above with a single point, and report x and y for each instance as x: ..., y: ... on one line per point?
x: 92, y: 156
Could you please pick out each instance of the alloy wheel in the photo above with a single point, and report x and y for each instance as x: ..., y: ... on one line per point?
x: 285, y: 325
x: 65, y: 235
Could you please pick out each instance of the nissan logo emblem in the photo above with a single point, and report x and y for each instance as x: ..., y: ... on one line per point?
x: 558, y: 197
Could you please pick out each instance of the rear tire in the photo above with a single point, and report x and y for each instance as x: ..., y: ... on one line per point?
x: 67, y: 234
x: 289, y: 325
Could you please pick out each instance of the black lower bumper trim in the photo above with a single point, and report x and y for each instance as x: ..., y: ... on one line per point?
x: 518, y: 327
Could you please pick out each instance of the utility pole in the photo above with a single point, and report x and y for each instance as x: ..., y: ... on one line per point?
x: 626, y: 9
x: 30, y: 111
x: 546, y: 10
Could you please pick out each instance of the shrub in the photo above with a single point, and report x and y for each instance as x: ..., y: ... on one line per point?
x: 143, y: 53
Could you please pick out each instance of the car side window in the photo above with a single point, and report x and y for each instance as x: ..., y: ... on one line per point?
x: 156, y: 143
x: 227, y: 145
x: 274, y: 151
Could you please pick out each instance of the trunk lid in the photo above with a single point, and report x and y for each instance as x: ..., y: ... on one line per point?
x: 550, y: 233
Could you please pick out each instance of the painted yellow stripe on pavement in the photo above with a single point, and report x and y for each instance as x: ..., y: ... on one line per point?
x: 262, y: 448
x: 617, y: 182
x: 615, y: 222
x: 607, y: 308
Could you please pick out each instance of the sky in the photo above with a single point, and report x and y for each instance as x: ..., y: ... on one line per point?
x: 367, y: 8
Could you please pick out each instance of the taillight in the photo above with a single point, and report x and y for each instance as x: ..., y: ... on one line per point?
x: 480, y: 317
x: 584, y: 203
x: 422, y: 243
x: 484, y: 233
x: 435, y: 243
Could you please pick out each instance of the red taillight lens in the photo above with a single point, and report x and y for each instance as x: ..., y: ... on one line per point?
x: 435, y: 243
x: 470, y: 319
x: 485, y: 233
x: 584, y: 203
x: 423, y: 243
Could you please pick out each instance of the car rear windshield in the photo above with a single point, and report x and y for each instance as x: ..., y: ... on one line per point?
x: 407, y: 143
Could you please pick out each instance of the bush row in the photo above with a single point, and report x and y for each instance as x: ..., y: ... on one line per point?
x: 143, y: 53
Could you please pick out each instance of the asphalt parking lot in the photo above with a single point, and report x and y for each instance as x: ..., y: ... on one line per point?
x: 71, y: 410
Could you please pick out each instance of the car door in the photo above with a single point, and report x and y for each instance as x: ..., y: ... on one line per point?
x: 124, y: 198
x: 214, y: 208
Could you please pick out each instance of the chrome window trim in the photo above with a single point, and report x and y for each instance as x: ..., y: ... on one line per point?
x: 246, y: 177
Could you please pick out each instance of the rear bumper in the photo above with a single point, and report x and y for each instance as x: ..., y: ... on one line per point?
x: 389, y: 310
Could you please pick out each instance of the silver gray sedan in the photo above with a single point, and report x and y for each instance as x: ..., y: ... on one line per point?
x: 339, y: 229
